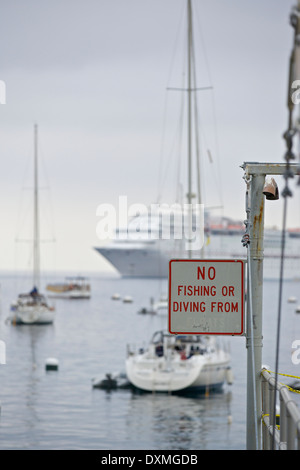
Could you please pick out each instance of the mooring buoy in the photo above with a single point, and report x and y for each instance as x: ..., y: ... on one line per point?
x: 51, y: 363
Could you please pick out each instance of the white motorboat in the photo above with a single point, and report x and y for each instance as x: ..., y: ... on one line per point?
x: 32, y: 307
x: 76, y: 287
x: 179, y: 363
x: 161, y: 307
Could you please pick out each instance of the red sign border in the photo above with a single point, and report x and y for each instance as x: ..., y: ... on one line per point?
x: 242, y: 295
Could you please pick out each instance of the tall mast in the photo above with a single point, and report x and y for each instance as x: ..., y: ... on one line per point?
x: 189, y: 117
x: 36, y: 234
x: 190, y: 34
x: 191, y: 87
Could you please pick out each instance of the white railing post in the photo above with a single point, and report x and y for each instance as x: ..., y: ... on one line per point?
x: 288, y: 437
x: 298, y: 435
x: 283, y: 420
x: 266, y: 413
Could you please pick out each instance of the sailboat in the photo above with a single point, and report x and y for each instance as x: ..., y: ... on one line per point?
x: 176, y: 363
x: 32, y: 307
x: 179, y: 363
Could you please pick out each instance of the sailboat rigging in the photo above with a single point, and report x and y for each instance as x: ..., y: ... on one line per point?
x: 131, y: 252
x: 173, y: 363
x: 32, y: 307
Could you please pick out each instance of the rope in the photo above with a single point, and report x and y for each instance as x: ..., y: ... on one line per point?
x: 289, y: 155
x: 287, y: 375
x: 279, y: 306
x: 265, y: 415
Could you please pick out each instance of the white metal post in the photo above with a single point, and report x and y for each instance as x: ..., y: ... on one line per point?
x: 256, y: 273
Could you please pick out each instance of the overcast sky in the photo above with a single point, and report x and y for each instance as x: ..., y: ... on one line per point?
x: 93, y: 75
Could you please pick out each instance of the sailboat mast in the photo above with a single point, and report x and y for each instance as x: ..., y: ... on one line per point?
x: 189, y: 130
x: 36, y: 234
x: 190, y: 33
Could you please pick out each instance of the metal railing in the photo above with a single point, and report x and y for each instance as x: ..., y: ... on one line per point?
x: 285, y: 435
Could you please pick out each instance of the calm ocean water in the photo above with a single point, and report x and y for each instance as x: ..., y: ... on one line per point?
x: 61, y: 410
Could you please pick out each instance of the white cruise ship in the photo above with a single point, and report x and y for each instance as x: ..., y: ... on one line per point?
x: 141, y: 251
x: 144, y: 247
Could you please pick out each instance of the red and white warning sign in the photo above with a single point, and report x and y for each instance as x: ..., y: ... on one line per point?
x: 206, y: 297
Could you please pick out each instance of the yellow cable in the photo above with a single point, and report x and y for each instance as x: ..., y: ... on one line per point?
x: 287, y: 375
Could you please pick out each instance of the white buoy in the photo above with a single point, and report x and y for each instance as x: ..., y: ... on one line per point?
x: 229, y: 376
x: 128, y: 299
x: 292, y: 300
x: 51, y: 363
x: 115, y: 296
x: 298, y: 309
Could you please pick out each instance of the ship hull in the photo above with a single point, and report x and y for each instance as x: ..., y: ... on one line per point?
x: 152, y: 260
x: 150, y: 263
